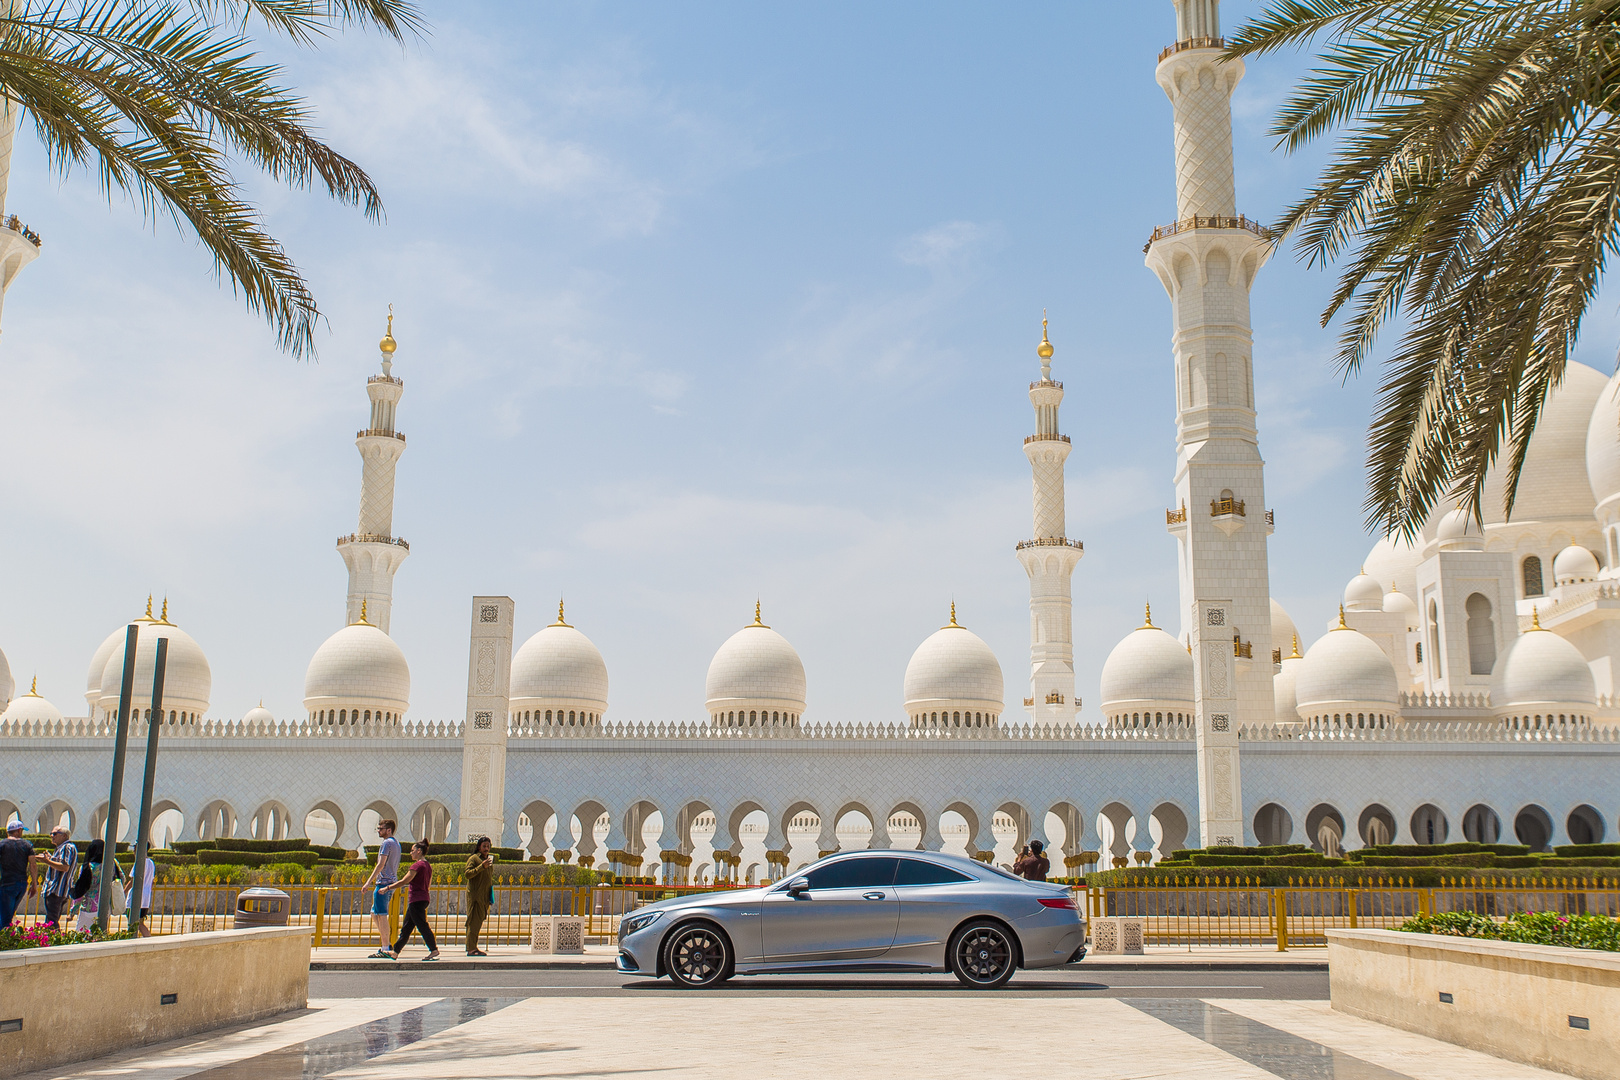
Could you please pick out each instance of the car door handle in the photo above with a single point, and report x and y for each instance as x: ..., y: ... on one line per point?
x: 874, y: 896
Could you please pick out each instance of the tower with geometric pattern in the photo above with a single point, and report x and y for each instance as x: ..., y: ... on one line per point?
x: 372, y: 552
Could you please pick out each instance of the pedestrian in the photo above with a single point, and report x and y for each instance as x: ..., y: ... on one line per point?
x: 480, y: 892
x: 418, y: 877
x: 147, y: 874
x: 386, y: 872
x: 87, y: 890
x: 1033, y: 864
x: 59, y: 866
x: 17, y: 871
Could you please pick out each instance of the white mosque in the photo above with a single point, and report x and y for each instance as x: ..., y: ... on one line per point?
x: 1466, y: 690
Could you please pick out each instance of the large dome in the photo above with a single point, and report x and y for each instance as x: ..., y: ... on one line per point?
x: 187, y: 678
x: 1394, y: 562
x: 30, y: 708
x: 954, y: 669
x: 1345, y: 670
x: 756, y: 669
x: 1283, y: 630
x: 98, y: 661
x: 1541, y: 668
x: 7, y: 686
x: 1149, y: 669
x: 558, y: 670
x: 1555, y: 480
x: 359, y: 673
x: 1603, y: 443
x: 1284, y: 698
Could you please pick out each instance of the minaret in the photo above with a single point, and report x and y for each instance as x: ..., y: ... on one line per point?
x: 373, y: 553
x: 1207, y: 260
x: 1049, y: 558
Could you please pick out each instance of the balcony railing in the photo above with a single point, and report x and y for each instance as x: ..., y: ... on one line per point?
x: 372, y: 538
x: 1276, y: 656
x: 380, y: 432
x: 1045, y: 438
x: 386, y: 378
x: 1243, y: 650
x: 1192, y: 43
x: 1054, y: 698
x: 1029, y: 702
x: 1226, y: 508
x: 1200, y: 221
x: 1176, y: 517
x: 1271, y: 518
x: 17, y: 226
x: 1058, y: 541
x: 1048, y: 382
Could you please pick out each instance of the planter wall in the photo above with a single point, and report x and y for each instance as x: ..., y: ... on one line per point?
x: 110, y: 996
x: 1552, y: 1007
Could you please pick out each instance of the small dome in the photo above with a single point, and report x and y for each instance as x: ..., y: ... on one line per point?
x: 1574, y: 565
x: 1283, y: 694
x: 756, y: 666
x: 1555, y: 481
x: 1394, y: 562
x: 258, y: 715
x: 559, y: 664
x: 953, y: 667
x: 1458, y: 531
x: 358, y: 666
x: 187, y: 678
x: 1364, y: 594
x: 1148, y: 665
x: 1345, y: 667
x: 30, y: 708
x: 1283, y: 630
x: 1397, y: 601
x: 1541, y: 668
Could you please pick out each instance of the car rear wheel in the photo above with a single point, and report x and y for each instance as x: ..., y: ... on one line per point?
x: 697, y: 956
x: 983, y: 955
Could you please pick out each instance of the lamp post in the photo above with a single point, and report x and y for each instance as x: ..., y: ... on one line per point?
x: 115, y: 797
x: 143, y: 834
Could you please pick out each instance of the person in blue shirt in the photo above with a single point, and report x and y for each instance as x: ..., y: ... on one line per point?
x: 384, y: 874
x: 59, y: 866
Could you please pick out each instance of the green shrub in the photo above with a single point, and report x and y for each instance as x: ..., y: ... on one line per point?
x: 213, y: 857
x: 1582, y: 851
x: 289, y: 873
x: 1525, y: 927
x: 325, y: 852
x: 297, y: 843
x: 191, y: 847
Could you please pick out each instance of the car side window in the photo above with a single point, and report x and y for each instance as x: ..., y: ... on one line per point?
x: 917, y: 872
x: 864, y: 873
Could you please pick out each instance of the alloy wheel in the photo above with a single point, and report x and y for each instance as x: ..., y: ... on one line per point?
x: 697, y: 957
x: 983, y: 956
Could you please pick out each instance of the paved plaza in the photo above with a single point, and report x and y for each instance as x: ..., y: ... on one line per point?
x: 1170, y: 1022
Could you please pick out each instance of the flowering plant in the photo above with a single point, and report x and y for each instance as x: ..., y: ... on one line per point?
x: 42, y: 936
x: 1525, y: 927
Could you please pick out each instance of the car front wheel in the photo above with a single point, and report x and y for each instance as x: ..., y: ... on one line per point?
x: 983, y: 955
x: 697, y: 956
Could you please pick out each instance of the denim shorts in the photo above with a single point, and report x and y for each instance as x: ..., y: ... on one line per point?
x: 379, y: 902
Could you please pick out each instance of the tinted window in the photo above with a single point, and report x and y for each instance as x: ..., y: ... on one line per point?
x: 917, y: 872
x: 868, y: 873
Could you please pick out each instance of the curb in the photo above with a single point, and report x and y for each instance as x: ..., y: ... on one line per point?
x: 395, y: 966
x: 1251, y: 966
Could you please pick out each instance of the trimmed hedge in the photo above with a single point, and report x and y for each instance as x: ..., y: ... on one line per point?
x: 211, y: 857
x: 227, y: 843
x: 1583, y: 851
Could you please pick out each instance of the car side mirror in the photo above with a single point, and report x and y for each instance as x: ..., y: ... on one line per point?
x: 798, y: 886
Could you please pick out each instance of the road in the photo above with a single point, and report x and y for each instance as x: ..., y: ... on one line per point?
x: 415, y: 979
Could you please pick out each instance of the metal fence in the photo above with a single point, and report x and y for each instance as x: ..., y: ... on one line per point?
x: 1180, y: 912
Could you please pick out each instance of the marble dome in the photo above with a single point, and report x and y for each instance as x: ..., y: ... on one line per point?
x: 1394, y: 562
x: 187, y: 678
x: 1364, y: 593
x: 756, y: 669
x: 258, y: 715
x: 1458, y: 531
x: 1555, y: 482
x: 357, y: 671
x: 98, y: 662
x: 7, y: 685
x: 1283, y: 630
x: 1574, y: 565
x: 1603, y: 443
x: 1397, y: 601
x: 558, y: 669
x: 1541, y: 669
x: 1149, y: 669
x: 953, y: 669
x: 1344, y: 671
x: 1284, y: 696
x: 30, y: 708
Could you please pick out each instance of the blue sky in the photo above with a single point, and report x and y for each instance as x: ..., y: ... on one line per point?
x: 696, y: 304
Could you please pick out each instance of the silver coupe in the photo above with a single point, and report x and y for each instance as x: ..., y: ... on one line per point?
x: 888, y: 911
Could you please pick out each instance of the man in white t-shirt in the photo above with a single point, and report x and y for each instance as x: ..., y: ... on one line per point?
x: 386, y: 872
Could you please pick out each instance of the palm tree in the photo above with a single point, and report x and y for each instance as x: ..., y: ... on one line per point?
x: 1474, y: 198
x: 162, y: 98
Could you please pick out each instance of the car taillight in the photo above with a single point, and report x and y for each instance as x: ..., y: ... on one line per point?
x: 1058, y: 902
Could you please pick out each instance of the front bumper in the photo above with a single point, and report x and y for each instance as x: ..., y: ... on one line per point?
x: 638, y: 953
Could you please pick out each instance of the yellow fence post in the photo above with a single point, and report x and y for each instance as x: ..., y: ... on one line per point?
x: 1279, y: 908
x: 393, y: 917
x: 320, y: 917
x: 1350, y: 905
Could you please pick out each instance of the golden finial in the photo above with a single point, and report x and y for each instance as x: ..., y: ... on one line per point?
x: 757, y: 621
x: 362, y: 621
x: 164, y: 618
x: 148, y: 615
x: 388, y: 344
x: 953, y: 621
x: 1342, y: 624
x: 1044, y: 350
x: 1147, y: 618
x: 1295, y: 654
x: 33, y: 688
x: 1535, y: 618
x: 560, y: 620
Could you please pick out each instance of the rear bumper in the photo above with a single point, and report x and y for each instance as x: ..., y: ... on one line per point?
x: 1052, y: 946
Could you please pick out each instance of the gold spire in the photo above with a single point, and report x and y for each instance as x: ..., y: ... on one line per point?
x: 164, y: 618
x: 1044, y: 350
x: 757, y: 621
x: 1147, y: 618
x: 362, y: 621
x: 148, y: 616
x: 560, y: 620
x: 953, y: 621
x: 33, y: 689
x: 1342, y: 624
x: 1295, y: 654
x: 388, y: 344
x: 1535, y: 618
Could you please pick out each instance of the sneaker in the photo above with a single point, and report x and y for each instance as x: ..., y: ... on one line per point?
x: 430, y: 956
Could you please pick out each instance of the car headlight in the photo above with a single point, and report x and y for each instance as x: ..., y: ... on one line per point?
x: 634, y: 924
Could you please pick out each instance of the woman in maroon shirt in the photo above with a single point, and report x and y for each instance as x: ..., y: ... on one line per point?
x: 419, y: 877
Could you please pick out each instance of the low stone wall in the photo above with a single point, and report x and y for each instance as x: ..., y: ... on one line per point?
x: 1551, y: 1007
x: 76, y: 1002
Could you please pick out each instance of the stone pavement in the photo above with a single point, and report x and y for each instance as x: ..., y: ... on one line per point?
x: 1210, y: 958
x: 937, y: 1036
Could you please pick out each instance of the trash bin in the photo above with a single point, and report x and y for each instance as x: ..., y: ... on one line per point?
x: 262, y: 907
